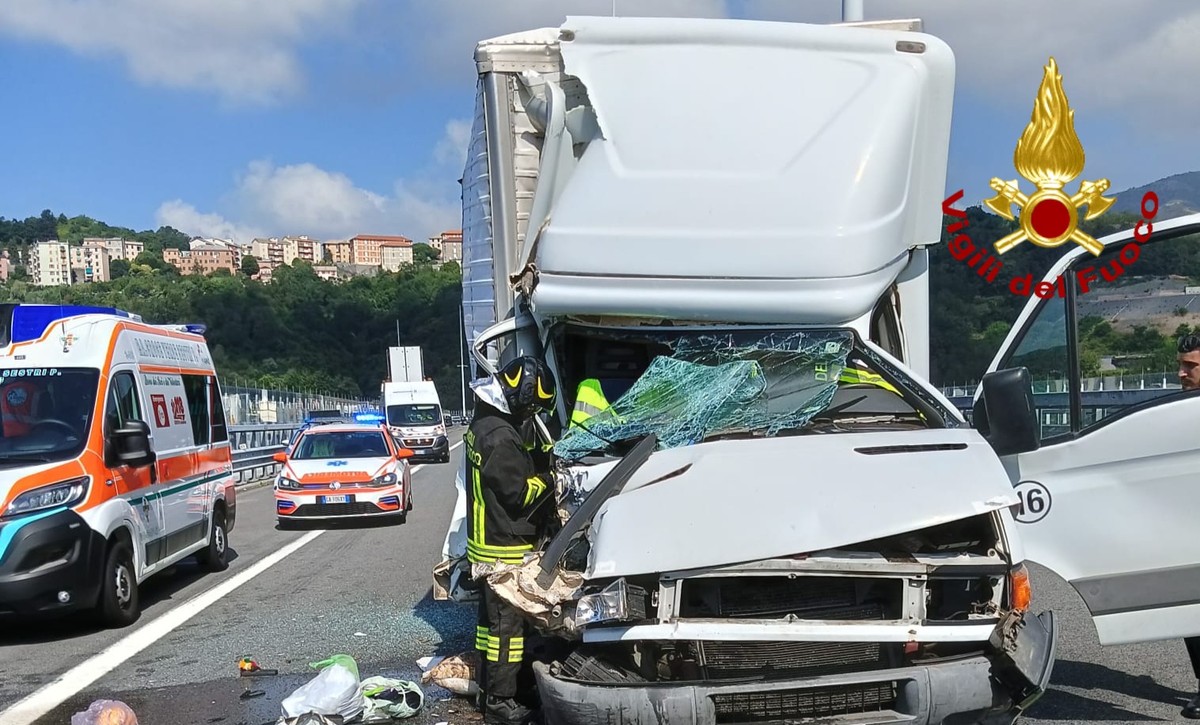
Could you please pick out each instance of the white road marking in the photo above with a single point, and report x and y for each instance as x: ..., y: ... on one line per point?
x: 70, y: 683
x: 75, y: 680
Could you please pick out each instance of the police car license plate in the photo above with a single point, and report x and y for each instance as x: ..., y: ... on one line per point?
x: 343, y: 498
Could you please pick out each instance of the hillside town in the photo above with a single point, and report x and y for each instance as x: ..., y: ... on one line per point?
x: 55, y: 263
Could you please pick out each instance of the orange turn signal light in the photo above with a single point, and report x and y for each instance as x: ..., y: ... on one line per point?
x: 1019, y: 587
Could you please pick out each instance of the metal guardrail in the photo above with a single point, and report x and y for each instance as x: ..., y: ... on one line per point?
x: 253, y: 448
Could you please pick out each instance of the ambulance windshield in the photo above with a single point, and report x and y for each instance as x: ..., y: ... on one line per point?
x: 45, y: 413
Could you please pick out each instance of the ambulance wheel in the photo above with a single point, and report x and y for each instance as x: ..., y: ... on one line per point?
x: 216, y: 556
x: 118, y: 605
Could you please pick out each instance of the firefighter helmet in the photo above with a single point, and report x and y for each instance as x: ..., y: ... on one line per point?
x: 527, y: 386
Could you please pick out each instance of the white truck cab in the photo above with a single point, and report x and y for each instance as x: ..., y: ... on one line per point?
x: 725, y: 224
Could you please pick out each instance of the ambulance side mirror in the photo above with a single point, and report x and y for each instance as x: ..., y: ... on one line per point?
x: 131, y: 445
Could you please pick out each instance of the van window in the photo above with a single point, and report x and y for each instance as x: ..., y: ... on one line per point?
x: 414, y: 414
x: 45, y: 413
x: 220, y: 433
x: 196, y: 389
x: 123, y: 403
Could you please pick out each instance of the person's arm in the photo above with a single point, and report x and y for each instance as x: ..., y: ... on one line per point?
x: 508, y: 471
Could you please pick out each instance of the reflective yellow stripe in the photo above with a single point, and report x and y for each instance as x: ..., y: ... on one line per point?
x: 854, y: 376
x: 589, y: 401
x: 503, y: 554
x: 534, y: 487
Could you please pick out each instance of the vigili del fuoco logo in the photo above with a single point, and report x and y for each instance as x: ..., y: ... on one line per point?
x: 1049, y: 155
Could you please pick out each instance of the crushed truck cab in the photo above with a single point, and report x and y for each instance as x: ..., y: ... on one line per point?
x: 726, y: 241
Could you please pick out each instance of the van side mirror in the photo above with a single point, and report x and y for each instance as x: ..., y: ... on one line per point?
x: 1005, y: 414
x: 280, y: 457
x: 404, y: 453
x: 130, y: 445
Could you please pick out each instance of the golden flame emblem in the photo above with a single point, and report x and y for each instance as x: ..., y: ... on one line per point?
x: 1049, y: 154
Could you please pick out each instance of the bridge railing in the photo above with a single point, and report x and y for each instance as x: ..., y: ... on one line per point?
x: 258, y: 407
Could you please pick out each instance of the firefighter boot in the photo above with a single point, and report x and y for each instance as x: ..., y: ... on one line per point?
x: 1192, y: 710
x: 506, y: 711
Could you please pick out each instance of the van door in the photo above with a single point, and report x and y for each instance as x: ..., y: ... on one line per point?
x: 1109, y: 500
x: 174, y: 445
x: 123, y: 404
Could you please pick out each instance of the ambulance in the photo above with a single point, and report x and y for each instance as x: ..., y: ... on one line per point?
x: 115, y: 459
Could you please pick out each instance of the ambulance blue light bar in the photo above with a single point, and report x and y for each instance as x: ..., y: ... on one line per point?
x: 196, y: 328
x: 368, y: 417
x: 29, y: 322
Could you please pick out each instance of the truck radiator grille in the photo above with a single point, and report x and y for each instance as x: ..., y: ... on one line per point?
x: 728, y: 660
x: 803, y: 597
x: 785, y: 705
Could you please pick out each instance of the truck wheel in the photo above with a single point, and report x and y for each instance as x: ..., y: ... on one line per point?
x: 118, y: 606
x: 216, y: 556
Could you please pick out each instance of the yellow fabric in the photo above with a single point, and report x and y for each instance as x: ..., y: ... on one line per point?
x: 854, y: 376
x: 589, y: 401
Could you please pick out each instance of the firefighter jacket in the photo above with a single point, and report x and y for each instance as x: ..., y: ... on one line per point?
x: 506, y: 496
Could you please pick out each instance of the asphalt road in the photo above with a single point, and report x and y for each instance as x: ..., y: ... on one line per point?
x: 366, y: 592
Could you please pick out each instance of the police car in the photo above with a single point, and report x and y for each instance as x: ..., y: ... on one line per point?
x: 343, y: 470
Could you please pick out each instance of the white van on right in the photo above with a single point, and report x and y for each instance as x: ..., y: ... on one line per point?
x: 1107, y: 471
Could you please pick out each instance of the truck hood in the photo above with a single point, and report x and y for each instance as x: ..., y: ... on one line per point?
x: 729, y: 502
x: 830, y: 167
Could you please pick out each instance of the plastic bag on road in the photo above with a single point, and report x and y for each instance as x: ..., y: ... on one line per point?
x: 389, y: 699
x: 105, y: 712
x: 334, y: 691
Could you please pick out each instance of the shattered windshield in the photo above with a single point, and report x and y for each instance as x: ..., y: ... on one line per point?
x: 690, y: 386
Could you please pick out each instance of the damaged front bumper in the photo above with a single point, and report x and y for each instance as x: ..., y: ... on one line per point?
x: 993, y: 688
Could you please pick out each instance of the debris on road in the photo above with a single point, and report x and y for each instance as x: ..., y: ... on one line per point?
x: 105, y: 712
x: 310, y: 718
x: 389, y: 699
x: 456, y: 674
x: 247, y: 667
x: 334, y: 691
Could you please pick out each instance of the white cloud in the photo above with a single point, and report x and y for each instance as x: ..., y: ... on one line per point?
x: 244, y: 51
x: 269, y: 200
x: 187, y: 219
x: 452, y: 148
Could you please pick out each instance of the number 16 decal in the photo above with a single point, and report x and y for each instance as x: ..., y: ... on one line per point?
x: 1035, y: 502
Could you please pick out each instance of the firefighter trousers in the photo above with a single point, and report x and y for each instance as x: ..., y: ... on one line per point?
x: 500, y: 639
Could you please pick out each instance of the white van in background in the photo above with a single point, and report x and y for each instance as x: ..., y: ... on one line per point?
x: 414, y: 416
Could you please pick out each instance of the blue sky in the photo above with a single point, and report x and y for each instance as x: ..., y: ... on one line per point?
x: 337, y: 117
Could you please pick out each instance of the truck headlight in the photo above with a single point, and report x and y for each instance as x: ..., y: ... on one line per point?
x: 287, y: 484
x: 619, y: 601
x: 64, y: 493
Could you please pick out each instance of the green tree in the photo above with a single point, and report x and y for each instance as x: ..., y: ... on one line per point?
x: 424, y: 254
x: 118, y: 268
x: 249, y: 266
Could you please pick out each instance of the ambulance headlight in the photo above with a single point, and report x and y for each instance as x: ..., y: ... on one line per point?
x: 387, y: 479
x: 65, y: 493
x: 619, y: 601
x: 287, y: 484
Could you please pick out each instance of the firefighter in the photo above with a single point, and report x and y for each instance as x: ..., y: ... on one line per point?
x: 509, y: 503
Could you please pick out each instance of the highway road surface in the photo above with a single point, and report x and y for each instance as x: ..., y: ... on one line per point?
x: 294, y: 597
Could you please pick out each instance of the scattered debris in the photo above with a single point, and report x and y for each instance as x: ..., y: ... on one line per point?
x: 388, y: 699
x: 105, y: 712
x: 311, y: 718
x: 456, y: 674
x: 249, y: 694
x: 247, y: 667
x: 334, y: 691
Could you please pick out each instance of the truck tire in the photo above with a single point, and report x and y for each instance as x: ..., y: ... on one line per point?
x: 118, y: 604
x: 216, y: 556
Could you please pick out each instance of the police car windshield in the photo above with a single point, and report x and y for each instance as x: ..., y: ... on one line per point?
x: 414, y: 414
x: 317, y: 445
x: 45, y: 413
